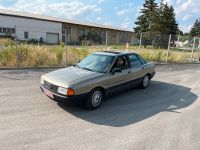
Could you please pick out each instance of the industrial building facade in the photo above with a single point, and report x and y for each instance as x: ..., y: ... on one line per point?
x: 51, y: 30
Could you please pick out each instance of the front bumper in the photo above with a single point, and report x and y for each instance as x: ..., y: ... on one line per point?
x: 76, y: 99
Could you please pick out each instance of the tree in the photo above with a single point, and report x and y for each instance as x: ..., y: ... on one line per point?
x: 147, y: 22
x: 195, y: 30
x: 168, y: 24
x: 155, y: 22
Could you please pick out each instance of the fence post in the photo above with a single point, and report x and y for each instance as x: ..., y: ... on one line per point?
x: 140, y: 42
x: 17, y: 59
x: 65, y: 48
x: 170, y: 36
x: 193, y: 49
x: 199, y: 50
x: 106, y: 40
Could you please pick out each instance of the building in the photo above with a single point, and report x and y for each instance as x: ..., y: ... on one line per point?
x: 52, y: 30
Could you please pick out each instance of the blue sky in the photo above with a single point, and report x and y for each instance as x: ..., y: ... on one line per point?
x: 118, y: 13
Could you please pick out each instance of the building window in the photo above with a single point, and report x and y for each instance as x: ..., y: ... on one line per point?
x: 4, y: 30
x: 13, y: 31
x: 8, y: 30
x: 81, y: 32
x: 25, y: 35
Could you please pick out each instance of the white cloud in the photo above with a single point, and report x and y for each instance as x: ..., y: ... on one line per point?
x: 122, y: 12
x: 186, y: 17
x: 178, y: 1
x: 187, y: 7
x: 116, y: 8
x: 107, y: 23
x: 126, y: 23
x: 130, y: 4
x: 98, y: 19
x: 186, y: 28
x: 66, y: 9
x: 100, y: 1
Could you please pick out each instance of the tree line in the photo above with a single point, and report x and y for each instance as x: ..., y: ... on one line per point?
x: 195, y: 30
x: 156, y: 22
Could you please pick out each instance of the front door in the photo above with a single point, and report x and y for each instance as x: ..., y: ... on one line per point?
x: 119, y: 78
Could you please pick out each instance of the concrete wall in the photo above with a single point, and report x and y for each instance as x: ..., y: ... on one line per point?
x: 35, y: 28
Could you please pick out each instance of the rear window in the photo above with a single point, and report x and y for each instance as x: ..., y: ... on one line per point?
x: 142, y: 60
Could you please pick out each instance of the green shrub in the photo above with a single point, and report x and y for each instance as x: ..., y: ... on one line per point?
x: 59, y: 54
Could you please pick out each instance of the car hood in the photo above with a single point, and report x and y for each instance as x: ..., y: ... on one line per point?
x: 63, y: 77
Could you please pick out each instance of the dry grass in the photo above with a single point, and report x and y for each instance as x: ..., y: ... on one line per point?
x: 34, y: 55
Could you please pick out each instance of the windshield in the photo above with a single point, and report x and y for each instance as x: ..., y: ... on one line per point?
x: 97, y: 63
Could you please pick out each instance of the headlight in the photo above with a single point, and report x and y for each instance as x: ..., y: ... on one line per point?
x: 62, y: 90
x: 41, y: 81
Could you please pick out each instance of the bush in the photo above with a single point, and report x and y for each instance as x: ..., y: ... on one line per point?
x: 33, y: 41
x: 59, y: 54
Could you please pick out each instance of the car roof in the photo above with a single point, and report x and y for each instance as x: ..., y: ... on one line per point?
x: 113, y: 53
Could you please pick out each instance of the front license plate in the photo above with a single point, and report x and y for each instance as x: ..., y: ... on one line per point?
x: 48, y: 94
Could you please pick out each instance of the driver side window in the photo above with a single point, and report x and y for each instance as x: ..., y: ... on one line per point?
x: 121, y: 62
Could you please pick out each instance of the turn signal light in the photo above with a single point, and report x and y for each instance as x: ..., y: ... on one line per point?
x: 70, y: 92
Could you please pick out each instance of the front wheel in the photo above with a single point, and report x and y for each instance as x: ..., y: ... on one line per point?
x: 94, y: 99
x: 145, y: 82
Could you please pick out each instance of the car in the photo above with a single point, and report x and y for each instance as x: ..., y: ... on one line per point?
x: 97, y: 75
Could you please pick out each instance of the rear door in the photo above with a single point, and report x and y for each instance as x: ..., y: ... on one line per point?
x: 136, y: 67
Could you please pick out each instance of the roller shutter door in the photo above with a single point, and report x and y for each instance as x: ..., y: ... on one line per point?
x: 52, y: 38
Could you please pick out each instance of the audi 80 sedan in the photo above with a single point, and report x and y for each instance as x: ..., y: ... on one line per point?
x: 97, y: 75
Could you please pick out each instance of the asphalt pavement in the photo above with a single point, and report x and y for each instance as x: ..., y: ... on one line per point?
x: 163, y: 117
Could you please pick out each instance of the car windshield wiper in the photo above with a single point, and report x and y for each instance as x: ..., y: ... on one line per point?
x: 87, y: 69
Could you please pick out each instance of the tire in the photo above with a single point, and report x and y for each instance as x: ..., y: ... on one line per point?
x: 94, y: 99
x: 145, y: 82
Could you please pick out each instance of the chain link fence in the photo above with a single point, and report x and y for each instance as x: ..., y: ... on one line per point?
x: 169, y: 48
x: 153, y: 47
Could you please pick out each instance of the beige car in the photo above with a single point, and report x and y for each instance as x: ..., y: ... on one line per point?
x: 97, y: 75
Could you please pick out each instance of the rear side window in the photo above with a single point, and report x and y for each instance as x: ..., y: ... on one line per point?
x: 134, y: 60
x: 142, y: 60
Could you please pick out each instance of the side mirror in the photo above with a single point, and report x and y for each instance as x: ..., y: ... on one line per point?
x: 116, y: 70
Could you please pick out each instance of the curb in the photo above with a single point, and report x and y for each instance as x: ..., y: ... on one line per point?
x: 31, y: 68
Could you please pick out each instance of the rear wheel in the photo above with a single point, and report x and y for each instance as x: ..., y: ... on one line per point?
x: 94, y: 99
x: 145, y: 81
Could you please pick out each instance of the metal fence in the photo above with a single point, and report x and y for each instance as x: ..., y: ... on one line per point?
x: 158, y: 48
x: 172, y: 48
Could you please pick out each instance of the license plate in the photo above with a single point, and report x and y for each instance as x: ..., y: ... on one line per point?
x: 48, y: 94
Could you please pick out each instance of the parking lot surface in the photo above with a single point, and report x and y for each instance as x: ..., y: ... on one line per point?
x: 163, y: 117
